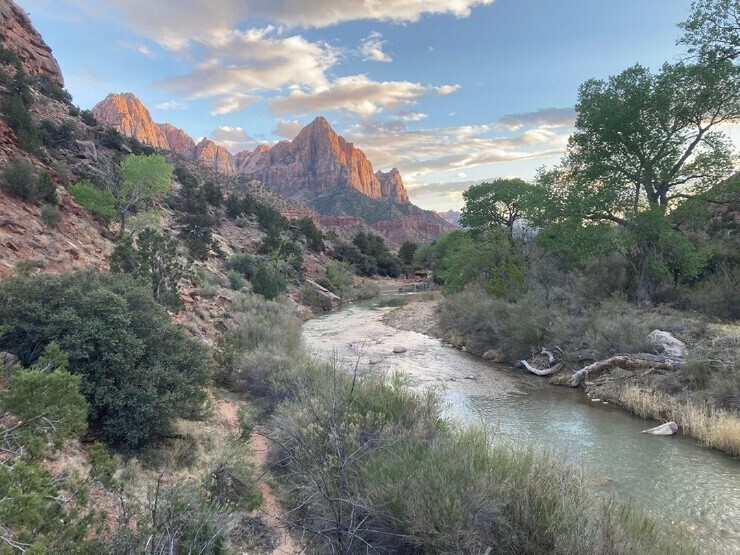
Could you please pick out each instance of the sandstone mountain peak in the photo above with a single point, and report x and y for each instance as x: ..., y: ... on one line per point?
x: 20, y: 37
x: 128, y: 115
x: 215, y: 156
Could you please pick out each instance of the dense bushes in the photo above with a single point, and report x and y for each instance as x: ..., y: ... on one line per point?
x: 20, y: 180
x: 139, y: 371
x: 101, y: 204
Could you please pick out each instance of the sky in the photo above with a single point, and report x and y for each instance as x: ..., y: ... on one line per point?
x: 452, y: 92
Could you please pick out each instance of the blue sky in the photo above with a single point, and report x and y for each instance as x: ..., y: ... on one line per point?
x: 449, y: 91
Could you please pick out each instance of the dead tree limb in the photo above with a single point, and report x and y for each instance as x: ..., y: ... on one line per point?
x: 634, y: 361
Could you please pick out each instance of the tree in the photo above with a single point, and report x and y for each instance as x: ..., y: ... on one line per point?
x: 407, y: 251
x: 649, y: 139
x: 101, y: 204
x: 501, y: 202
x: 142, y: 179
x: 139, y: 370
x: 155, y: 259
x: 712, y: 32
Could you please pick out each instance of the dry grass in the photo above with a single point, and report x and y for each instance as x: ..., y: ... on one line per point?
x: 714, y: 428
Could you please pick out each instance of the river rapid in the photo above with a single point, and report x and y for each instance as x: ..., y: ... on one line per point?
x: 680, y: 483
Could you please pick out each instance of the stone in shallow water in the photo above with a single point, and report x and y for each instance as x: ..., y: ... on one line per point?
x: 667, y: 429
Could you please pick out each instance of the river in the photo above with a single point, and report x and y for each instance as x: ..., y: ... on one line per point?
x: 676, y: 480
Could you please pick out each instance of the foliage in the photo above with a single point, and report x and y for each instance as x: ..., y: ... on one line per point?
x: 20, y: 180
x: 406, y: 252
x: 268, y: 281
x: 154, y: 258
x: 244, y: 263
x: 52, y: 135
x: 101, y: 204
x: 51, y: 216
x: 48, y: 88
x: 314, y: 238
x: 139, y: 371
x: 213, y: 193
x: 501, y: 202
x: 143, y: 178
x: 15, y: 110
x: 712, y: 32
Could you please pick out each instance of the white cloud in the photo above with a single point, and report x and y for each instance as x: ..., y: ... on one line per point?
x: 287, y: 129
x: 233, y: 103
x: 320, y: 13
x: 447, y: 89
x: 371, y: 48
x: 544, y: 117
x: 232, y: 138
x: 171, y: 105
x: 355, y: 93
x: 252, y: 60
x: 412, y: 115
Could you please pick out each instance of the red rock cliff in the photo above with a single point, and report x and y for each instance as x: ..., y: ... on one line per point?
x: 19, y: 36
x: 214, y: 156
x: 129, y: 116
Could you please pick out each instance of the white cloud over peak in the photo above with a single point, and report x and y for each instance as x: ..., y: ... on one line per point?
x: 233, y: 103
x: 287, y: 129
x: 171, y: 105
x: 354, y: 93
x: 234, y: 139
x: 371, y: 48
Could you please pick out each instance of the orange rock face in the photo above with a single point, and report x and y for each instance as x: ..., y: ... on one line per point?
x: 214, y: 156
x: 179, y: 142
x: 316, y: 161
x: 128, y: 115
x: 19, y: 36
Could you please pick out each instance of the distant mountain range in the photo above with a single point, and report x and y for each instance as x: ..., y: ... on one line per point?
x: 318, y: 168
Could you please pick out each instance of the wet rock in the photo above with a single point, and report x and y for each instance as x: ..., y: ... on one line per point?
x: 398, y: 350
x: 667, y: 429
x: 665, y: 344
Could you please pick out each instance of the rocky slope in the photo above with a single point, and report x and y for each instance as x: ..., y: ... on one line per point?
x: 19, y: 36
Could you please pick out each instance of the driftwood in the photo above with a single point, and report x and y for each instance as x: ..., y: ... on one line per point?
x: 545, y: 372
x: 628, y: 362
x: 549, y: 355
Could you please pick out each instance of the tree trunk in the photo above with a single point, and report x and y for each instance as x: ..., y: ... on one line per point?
x: 626, y: 361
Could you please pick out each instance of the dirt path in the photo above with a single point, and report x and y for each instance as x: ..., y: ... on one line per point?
x: 270, y: 509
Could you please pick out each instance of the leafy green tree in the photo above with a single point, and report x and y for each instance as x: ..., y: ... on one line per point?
x: 501, y: 202
x: 407, y: 251
x: 101, y: 204
x: 155, y: 259
x: 138, y: 370
x: 213, y: 193
x: 313, y: 235
x: 268, y: 281
x: 143, y: 178
x: 712, y: 32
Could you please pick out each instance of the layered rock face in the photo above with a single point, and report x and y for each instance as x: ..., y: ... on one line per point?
x: 128, y: 115
x: 319, y: 160
x: 179, y: 142
x: 19, y: 36
x: 214, y: 156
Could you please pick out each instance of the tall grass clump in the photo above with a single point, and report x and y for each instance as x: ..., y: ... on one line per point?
x: 713, y: 427
x: 367, y: 465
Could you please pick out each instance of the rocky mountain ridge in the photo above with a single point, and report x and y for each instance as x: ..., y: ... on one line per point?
x: 20, y: 37
x: 318, y: 169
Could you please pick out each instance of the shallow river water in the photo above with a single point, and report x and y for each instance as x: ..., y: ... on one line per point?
x: 681, y: 483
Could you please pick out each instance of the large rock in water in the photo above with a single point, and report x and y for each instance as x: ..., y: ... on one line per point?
x: 665, y: 344
x: 130, y: 117
x: 667, y: 429
x: 20, y: 37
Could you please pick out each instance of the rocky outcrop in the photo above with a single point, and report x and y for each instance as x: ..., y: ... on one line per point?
x: 129, y: 116
x: 19, y: 36
x: 391, y: 185
x: 665, y: 344
x: 316, y: 161
x: 178, y: 141
x: 667, y: 429
x: 216, y: 157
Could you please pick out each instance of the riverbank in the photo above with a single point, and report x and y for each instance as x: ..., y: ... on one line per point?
x: 694, y: 396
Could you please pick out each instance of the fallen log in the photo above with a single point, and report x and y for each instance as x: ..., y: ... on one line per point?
x: 537, y: 371
x: 627, y: 362
x: 549, y: 355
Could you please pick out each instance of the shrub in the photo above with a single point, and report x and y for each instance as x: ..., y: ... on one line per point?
x: 236, y: 280
x: 46, y: 189
x: 101, y: 204
x: 267, y: 281
x: 88, y: 118
x: 139, y: 371
x: 19, y: 179
x: 51, y: 216
x: 244, y: 263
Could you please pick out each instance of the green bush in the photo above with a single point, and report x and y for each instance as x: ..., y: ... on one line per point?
x: 139, y: 371
x: 19, y: 179
x: 51, y: 216
x: 101, y: 204
x: 236, y: 280
x: 268, y: 281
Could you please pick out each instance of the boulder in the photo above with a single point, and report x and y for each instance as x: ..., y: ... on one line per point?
x: 665, y: 344
x: 9, y: 360
x: 667, y: 429
x: 86, y: 150
x: 398, y: 350
x: 329, y: 300
x: 493, y: 355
